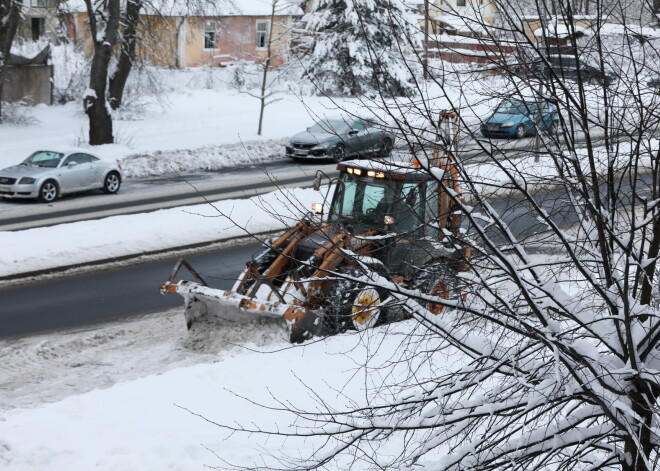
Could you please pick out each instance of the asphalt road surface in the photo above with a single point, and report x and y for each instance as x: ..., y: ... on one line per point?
x: 109, y: 295
x: 130, y: 291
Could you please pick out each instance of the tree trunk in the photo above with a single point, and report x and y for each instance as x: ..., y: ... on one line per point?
x: 127, y: 54
x: 95, y: 104
x: 9, y: 16
x: 638, y: 450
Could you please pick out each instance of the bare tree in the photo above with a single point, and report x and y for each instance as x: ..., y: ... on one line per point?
x: 266, y: 93
x: 127, y: 54
x: 104, y: 29
x: 10, y: 11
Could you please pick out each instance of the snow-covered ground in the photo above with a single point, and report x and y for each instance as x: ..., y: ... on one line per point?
x: 115, y: 397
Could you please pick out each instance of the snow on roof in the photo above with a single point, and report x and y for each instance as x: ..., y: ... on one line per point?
x: 559, y: 30
x: 615, y: 29
x: 464, y: 24
x: 211, y: 8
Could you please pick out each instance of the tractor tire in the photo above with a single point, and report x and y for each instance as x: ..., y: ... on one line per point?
x: 436, y: 279
x: 352, y: 305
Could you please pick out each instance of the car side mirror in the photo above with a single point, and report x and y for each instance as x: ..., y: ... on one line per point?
x: 352, y: 132
x: 72, y: 164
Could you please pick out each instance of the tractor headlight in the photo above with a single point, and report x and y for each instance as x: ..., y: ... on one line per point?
x: 508, y: 124
x: 26, y: 181
x: 317, y: 208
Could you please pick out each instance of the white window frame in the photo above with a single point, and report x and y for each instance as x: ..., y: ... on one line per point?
x: 262, y: 32
x: 210, y: 27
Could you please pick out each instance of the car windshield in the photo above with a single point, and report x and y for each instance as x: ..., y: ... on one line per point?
x: 43, y: 159
x: 332, y: 126
x: 515, y: 107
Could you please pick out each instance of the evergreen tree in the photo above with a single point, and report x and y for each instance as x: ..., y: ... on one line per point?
x: 360, y: 47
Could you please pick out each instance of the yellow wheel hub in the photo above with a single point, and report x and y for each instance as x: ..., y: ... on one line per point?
x: 366, y: 309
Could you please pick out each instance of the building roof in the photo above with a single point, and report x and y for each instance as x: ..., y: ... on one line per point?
x: 462, y: 24
x: 559, y: 30
x: 211, y: 8
x: 615, y: 29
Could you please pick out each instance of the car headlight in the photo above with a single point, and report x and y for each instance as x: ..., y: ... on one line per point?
x: 508, y: 124
x: 26, y: 180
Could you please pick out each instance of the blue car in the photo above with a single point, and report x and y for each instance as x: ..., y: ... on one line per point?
x: 520, y: 118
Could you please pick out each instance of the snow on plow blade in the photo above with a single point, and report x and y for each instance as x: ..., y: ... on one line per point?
x: 231, y: 307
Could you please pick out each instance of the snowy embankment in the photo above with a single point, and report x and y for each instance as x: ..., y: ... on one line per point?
x: 121, y: 236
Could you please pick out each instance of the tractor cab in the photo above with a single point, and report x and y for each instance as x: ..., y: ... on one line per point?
x: 386, y: 198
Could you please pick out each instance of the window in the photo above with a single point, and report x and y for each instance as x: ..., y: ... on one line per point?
x: 38, y: 25
x: 42, y: 3
x: 210, y: 32
x: 460, y: 3
x: 262, y: 33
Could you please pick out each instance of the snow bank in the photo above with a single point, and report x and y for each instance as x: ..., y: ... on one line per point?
x: 118, y: 236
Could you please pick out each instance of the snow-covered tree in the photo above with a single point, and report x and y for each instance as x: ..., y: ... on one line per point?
x: 360, y: 47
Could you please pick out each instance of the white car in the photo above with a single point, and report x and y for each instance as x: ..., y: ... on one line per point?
x: 48, y: 174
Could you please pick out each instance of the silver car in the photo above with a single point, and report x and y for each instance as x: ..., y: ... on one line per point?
x: 341, y: 138
x: 48, y: 174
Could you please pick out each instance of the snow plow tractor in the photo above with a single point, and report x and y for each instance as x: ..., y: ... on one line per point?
x: 387, y: 225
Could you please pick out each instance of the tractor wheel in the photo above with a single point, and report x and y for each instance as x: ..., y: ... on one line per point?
x: 351, y: 305
x: 435, y: 279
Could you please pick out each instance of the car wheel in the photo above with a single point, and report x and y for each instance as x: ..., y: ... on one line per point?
x: 48, y: 192
x: 385, y: 148
x: 339, y: 153
x: 111, y: 183
x: 520, y: 131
